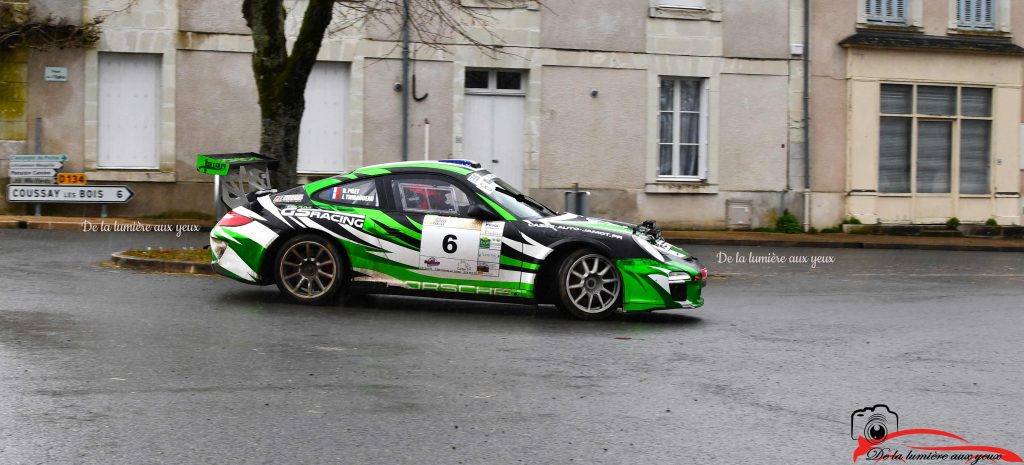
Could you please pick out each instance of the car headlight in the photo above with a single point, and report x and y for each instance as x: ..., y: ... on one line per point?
x: 678, y: 277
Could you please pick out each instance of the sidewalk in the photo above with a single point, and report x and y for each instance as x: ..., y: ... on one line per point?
x: 731, y: 238
x: 74, y: 223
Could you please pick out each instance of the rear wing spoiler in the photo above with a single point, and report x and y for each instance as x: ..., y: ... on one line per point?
x: 236, y: 176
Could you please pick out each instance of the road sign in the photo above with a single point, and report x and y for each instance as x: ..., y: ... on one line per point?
x: 60, y: 158
x: 50, y: 165
x: 74, y: 179
x: 31, y: 173
x: 33, y: 180
x: 68, y: 194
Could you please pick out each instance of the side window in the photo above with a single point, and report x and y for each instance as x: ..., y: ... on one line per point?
x: 357, y: 194
x: 428, y: 194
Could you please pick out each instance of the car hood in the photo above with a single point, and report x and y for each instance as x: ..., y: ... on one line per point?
x: 648, y: 237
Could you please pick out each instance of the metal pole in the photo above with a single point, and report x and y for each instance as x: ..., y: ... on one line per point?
x: 807, y: 115
x: 218, y: 206
x: 39, y: 151
x: 405, y: 80
x: 426, y: 139
x: 39, y: 135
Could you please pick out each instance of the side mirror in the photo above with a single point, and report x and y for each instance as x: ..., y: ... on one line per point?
x: 479, y: 212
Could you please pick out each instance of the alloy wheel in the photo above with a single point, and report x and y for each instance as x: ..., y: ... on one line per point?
x: 592, y: 283
x: 308, y: 269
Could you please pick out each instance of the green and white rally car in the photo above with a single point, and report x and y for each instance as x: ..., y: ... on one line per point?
x: 448, y: 229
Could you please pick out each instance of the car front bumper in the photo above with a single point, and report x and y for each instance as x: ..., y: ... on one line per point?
x: 653, y: 285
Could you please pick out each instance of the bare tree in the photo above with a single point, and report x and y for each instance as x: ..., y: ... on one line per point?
x: 281, y: 75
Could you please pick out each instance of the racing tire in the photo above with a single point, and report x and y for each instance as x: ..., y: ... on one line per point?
x: 310, y: 270
x: 589, y: 286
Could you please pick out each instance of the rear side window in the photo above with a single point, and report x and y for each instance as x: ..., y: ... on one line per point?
x: 356, y: 194
x: 429, y: 195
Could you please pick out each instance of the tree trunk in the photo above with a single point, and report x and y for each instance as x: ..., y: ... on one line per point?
x: 281, y: 78
x: 279, y: 138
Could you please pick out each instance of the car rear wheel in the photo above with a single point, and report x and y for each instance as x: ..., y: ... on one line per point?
x: 309, y: 270
x: 589, y: 286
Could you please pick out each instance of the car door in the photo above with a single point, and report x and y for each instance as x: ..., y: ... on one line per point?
x: 452, y: 252
x: 364, y: 238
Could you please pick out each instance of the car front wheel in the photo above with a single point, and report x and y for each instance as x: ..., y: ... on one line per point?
x: 310, y: 270
x: 589, y: 286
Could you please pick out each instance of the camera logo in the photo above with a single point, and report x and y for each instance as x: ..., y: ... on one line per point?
x: 874, y: 423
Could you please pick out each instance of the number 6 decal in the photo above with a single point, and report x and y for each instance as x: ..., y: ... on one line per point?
x: 448, y: 244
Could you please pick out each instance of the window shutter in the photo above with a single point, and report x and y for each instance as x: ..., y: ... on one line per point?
x: 885, y: 11
x: 975, y: 14
x: 975, y: 139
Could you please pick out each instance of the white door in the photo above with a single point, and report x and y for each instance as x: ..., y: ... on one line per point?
x: 493, y: 134
x: 128, y: 111
x: 322, y: 135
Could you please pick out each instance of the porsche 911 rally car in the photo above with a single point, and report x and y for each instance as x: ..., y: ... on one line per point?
x: 448, y: 229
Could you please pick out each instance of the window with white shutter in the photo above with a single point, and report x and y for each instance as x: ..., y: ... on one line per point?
x: 976, y: 14
x: 323, y: 130
x: 128, y: 111
x: 885, y: 11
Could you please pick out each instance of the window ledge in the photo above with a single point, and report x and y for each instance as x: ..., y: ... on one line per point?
x: 130, y: 176
x: 693, y: 14
x: 991, y: 33
x: 532, y: 5
x: 680, y: 187
x: 890, y: 27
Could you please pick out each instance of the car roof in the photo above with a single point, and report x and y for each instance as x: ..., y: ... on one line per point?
x: 463, y: 167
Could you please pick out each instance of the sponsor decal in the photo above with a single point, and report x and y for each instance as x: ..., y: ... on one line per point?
x: 485, y: 242
x: 463, y: 266
x: 539, y: 224
x: 464, y: 288
x: 431, y: 262
x: 482, y: 267
x: 874, y: 427
x: 288, y: 198
x: 483, y: 182
x: 345, y: 219
x: 596, y: 232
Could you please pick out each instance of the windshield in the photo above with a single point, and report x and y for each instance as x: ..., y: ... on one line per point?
x: 517, y: 203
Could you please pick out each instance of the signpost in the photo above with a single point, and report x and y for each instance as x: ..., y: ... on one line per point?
x: 68, y: 194
x: 35, y: 179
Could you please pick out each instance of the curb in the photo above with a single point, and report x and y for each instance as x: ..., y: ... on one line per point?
x: 164, y: 266
x: 846, y: 245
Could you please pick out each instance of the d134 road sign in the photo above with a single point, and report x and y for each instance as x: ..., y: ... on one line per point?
x: 68, y: 194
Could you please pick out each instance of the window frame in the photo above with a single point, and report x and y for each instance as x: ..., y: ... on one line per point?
x: 377, y: 185
x: 393, y: 203
x: 1000, y: 19
x: 492, y: 82
x: 662, y: 4
x: 703, y: 132
x: 956, y: 121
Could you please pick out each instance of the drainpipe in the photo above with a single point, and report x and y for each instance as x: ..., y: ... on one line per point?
x: 807, y: 115
x: 405, y: 80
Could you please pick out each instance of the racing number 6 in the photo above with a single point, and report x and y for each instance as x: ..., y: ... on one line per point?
x: 448, y: 244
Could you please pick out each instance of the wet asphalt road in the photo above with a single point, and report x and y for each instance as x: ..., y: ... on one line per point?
x: 111, y: 366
